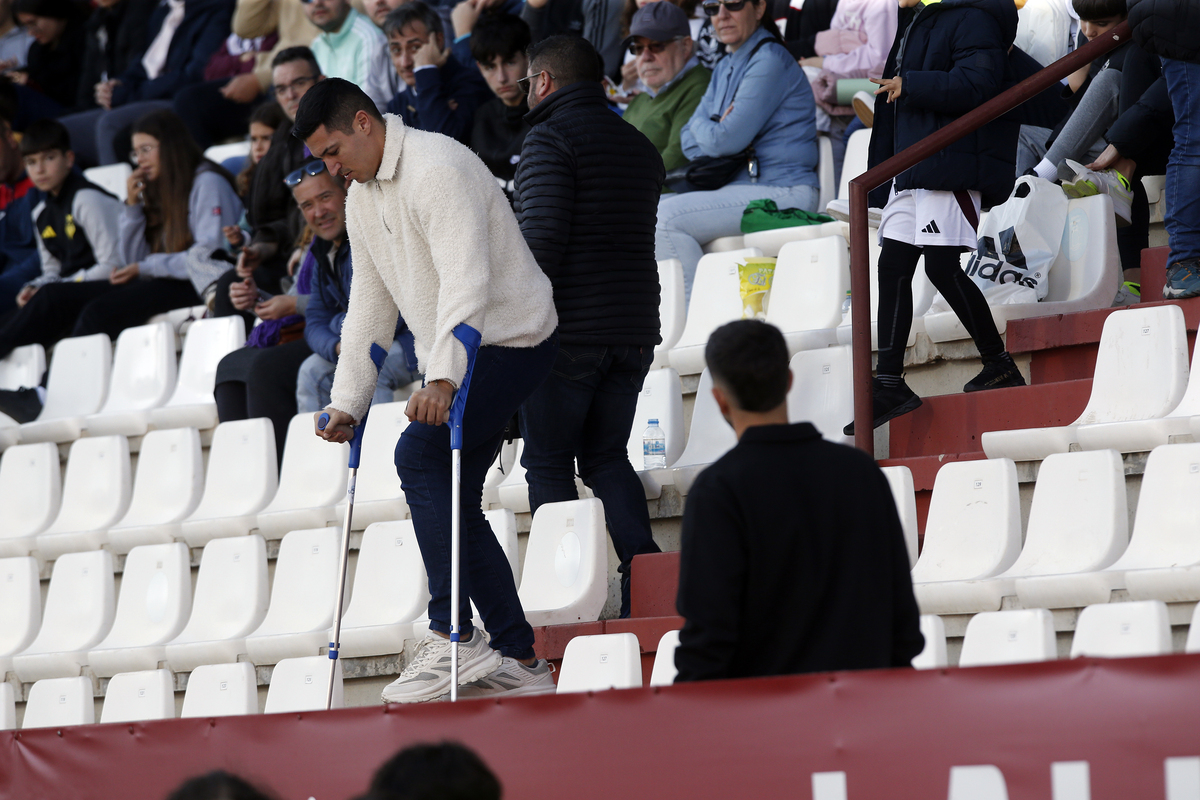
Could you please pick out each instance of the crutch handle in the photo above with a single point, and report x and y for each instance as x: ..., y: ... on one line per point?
x: 471, y: 340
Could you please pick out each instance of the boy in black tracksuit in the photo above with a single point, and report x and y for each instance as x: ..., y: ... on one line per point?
x: 949, y: 57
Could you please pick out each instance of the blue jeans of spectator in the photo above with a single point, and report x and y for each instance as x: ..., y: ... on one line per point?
x: 503, y: 378
x: 315, y: 380
x: 687, y: 222
x: 1183, y: 168
x: 584, y: 413
x: 101, y: 137
x: 14, y: 277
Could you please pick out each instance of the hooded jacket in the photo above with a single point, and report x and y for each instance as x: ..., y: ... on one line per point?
x: 952, y: 56
x: 204, y: 28
x: 1169, y: 28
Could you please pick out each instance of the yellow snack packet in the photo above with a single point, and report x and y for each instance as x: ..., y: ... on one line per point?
x: 754, y: 280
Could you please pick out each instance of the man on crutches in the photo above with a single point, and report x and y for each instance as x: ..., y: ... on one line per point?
x: 434, y: 239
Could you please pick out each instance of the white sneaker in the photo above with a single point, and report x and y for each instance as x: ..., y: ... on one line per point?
x: 1079, y: 181
x: 427, y: 676
x: 512, y: 678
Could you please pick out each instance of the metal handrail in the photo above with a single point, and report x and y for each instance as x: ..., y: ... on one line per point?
x: 860, y: 276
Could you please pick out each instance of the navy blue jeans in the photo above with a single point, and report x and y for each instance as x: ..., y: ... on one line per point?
x: 1183, y: 169
x: 584, y: 412
x: 503, y: 378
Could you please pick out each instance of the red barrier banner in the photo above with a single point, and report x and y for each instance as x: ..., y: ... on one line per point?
x: 1066, y: 730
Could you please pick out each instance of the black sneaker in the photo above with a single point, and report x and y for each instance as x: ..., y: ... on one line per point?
x: 888, y: 402
x: 1183, y: 280
x: 997, y: 373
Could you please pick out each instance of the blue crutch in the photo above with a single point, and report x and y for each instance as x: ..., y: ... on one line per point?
x: 470, y: 339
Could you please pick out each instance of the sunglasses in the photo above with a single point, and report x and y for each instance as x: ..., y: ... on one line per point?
x: 310, y: 169
x: 656, y: 48
x: 523, y: 83
x: 712, y: 9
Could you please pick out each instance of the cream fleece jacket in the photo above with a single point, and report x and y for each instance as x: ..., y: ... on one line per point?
x: 434, y: 239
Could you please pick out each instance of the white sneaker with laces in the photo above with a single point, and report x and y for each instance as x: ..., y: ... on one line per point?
x: 512, y: 679
x: 427, y: 676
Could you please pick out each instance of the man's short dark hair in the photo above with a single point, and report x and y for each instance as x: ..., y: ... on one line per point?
x: 570, y: 59
x: 218, y: 785
x: 299, y: 53
x: 499, y: 37
x: 446, y: 771
x: 406, y: 14
x: 1089, y: 10
x: 749, y: 359
x: 43, y: 135
x: 333, y: 102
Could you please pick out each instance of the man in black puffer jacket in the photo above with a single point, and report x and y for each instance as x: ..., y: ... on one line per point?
x: 586, y: 196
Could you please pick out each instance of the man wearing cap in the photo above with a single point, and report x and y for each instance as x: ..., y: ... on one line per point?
x: 660, y: 39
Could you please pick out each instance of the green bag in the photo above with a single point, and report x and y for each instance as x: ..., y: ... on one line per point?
x: 764, y: 215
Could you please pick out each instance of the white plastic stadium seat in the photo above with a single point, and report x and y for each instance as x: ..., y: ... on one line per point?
x: 823, y: 391
x: 1009, y: 637
x: 143, y: 377
x: 154, y: 604
x: 661, y: 398
x: 1193, y: 637
x: 136, y: 696
x: 1077, y: 523
x: 30, y: 495
x: 596, y: 663
x: 664, y: 671
x: 221, y: 690
x: 709, y: 438
x: 242, y: 478
x: 900, y: 481
x: 23, y: 367
x: 933, y: 655
x: 716, y: 299
x: 724, y: 244
x: 58, y: 702
x: 113, y: 178
x: 311, y: 482
x: 302, y: 598
x: 498, y: 471
x: 391, y: 590
x: 513, y: 491
x: 973, y: 530
x: 1123, y: 630
x: 75, y: 388
x: 807, y: 292
x: 773, y: 242
x: 221, y: 152
x: 78, y: 614
x: 923, y: 294
x: 230, y: 602
x: 21, y: 599
x: 1141, y: 373
x: 167, y: 488
x: 672, y: 310
x: 302, y: 684
x: 565, y: 577
x: 95, y: 496
x: 8, y: 707
x: 825, y: 171
x: 10, y: 431
x: 854, y: 163
x: 377, y: 494
x: 191, y: 405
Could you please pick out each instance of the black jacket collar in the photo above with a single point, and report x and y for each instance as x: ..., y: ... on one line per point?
x: 576, y: 94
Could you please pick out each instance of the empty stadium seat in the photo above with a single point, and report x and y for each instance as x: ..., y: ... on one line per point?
x: 302, y: 684
x: 513, y: 491
x: 1193, y: 637
x: 302, y: 596
x: 78, y: 614
x: 664, y: 671
x: 241, y: 479
x: 724, y: 244
x: 23, y: 367
x: 773, y: 242
x: 95, y: 496
x: 166, y: 489
x: 672, y: 310
x: 377, y: 494
x: 153, y: 607
x: 56, y: 702
x: 223, y: 152
x: 221, y: 690
x: 506, y: 459
x: 709, y: 438
x: 75, y: 388
x: 143, y: 377
x: 1009, y: 637
x: 933, y: 655
x: 231, y: 599
x: 30, y: 495
x: 1077, y: 523
x: 1123, y: 630
x: 825, y: 171
x: 565, y: 577
x: 922, y: 290
x: 191, y: 405
x: 8, y: 707
x: 1141, y: 373
x: 596, y: 663
x: 21, y: 601
x: 661, y: 398
x: 10, y: 431
x: 900, y: 481
x: 854, y: 163
x: 311, y: 482
x: 716, y: 299
x: 973, y: 530
x: 807, y: 292
x: 137, y: 696
x: 113, y: 178
x: 391, y: 590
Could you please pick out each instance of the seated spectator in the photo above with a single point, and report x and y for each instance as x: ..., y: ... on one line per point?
x: 598, y: 21
x: 348, y: 45
x: 441, y: 93
x: 760, y: 99
x: 14, y: 183
x: 54, y: 58
x: 14, y: 40
x: 284, y: 18
x: 19, y: 262
x: 266, y: 120
x: 116, y: 33
x: 705, y: 44
x: 787, y: 525
x: 498, y: 44
x: 425, y: 771
x: 179, y: 41
x: 322, y: 201
x: 660, y: 39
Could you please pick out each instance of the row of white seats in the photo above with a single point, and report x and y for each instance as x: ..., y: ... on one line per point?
x: 157, y: 619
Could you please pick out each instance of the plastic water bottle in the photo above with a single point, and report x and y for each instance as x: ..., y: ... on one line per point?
x: 654, y: 446
x: 846, y: 305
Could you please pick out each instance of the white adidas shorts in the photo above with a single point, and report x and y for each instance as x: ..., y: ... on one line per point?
x: 927, y: 217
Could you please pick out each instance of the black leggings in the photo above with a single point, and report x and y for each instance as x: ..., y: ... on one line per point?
x: 261, y: 382
x: 897, y: 265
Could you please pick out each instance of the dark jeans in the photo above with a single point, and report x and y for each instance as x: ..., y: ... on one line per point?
x: 584, y: 412
x: 13, y: 279
x: 503, y: 378
x: 209, y: 116
x: 897, y: 265
x: 1183, y: 169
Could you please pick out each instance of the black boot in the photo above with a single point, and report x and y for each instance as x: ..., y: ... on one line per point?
x: 999, y: 372
x: 888, y: 402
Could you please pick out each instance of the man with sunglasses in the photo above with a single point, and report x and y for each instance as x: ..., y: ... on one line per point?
x: 660, y: 40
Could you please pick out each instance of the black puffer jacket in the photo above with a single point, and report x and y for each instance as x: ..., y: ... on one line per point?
x: 952, y: 57
x: 587, y: 190
x: 1169, y: 28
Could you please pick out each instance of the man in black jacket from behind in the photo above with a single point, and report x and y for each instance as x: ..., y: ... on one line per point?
x: 586, y: 196
x: 793, y: 558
